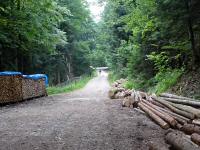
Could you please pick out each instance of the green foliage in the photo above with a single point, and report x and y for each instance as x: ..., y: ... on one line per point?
x: 53, y: 37
x: 160, y: 60
x: 112, y: 77
x: 166, y: 79
x: 69, y: 88
x: 148, y: 40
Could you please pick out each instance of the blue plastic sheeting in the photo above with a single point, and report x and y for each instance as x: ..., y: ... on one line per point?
x: 10, y: 73
x: 36, y: 77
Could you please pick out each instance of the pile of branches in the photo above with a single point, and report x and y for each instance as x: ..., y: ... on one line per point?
x: 168, y: 111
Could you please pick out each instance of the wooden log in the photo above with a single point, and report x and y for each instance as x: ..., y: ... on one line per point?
x: 111, y: 93
x: 155, y: 117
x: 157, y: 146
x: 167, y: 95
x: 179, y: 118
x: 189, y: 109
x: 184, y: 102
x: 179, y: 126
x: 160, y: 113
x: 128, y: 102
x: 190, y: 129
x: 157, y: 104
x: 196, y: 122
x: 174, y: 109
x: 10, y: 89
x: 180, y: 141
x: 195, y: 138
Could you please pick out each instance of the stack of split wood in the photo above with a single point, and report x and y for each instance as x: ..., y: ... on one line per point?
x: 10, y: 88
x: 33, y: 88
x: 168, y: 111
x: 14, y: 87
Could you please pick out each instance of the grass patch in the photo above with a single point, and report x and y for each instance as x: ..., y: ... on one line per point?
x: 129, y: 85
x: 69, y: 88
x: 165, y: 80
x: 112, y: 77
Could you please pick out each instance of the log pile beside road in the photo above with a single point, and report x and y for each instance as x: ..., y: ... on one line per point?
x: 166, y: 110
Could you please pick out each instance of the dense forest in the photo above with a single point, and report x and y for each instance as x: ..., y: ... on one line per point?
x: 54, y: 37
x: 150, y: 42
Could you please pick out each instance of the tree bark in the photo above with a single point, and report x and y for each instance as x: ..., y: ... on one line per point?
x: 155, y: 117
x: 180, y: 112
x: 157, y: 146
x: 184, y: 102
x: 167, y: 95
x: 191, y: 128
x: 182, y: 120
x: 189, y: 109
x: 180, y: 141
x: 196, y: 122
x: 161, y: 114
x: 195, y: 50
x: 195, y: 138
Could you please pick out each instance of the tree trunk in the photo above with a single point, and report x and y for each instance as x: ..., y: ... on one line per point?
x: 155, y: 117
x: 189, y: 109
x: 195, y: 49
x: 180, y: 141
x: 167, y: 95
x: 180, y: 112
x: 182, y: 120
x: 157, y: 146
x: 191, y: 128
x: 196, y: 122
x: 161, y: 114
x: 58, y: 77
x: 184, y: 102
x: 195, y: 138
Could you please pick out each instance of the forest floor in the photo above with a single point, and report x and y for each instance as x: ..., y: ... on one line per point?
x: 82, y: 120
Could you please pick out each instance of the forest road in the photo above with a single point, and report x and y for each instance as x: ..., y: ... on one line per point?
x: 82, y: 120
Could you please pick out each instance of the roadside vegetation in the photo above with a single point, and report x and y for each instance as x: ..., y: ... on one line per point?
x: 75, y: 85
x: 152, y: 43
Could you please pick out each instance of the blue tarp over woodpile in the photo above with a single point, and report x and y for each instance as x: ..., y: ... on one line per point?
x: 33, y: 76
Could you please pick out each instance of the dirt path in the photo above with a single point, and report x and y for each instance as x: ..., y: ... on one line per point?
x: 82, y: 120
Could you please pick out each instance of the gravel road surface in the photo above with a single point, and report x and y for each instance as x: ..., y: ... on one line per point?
x: 82, y: 120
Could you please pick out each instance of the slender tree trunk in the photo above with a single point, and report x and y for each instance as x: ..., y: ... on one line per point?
x: 16, y: 60
x: 58, y: 77
x: 195, y: 49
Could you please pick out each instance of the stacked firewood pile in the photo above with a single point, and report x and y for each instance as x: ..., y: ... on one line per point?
x: 14, y: 87
x: 168, y: 111
x: 10, y: 89
x: 33, y: 88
